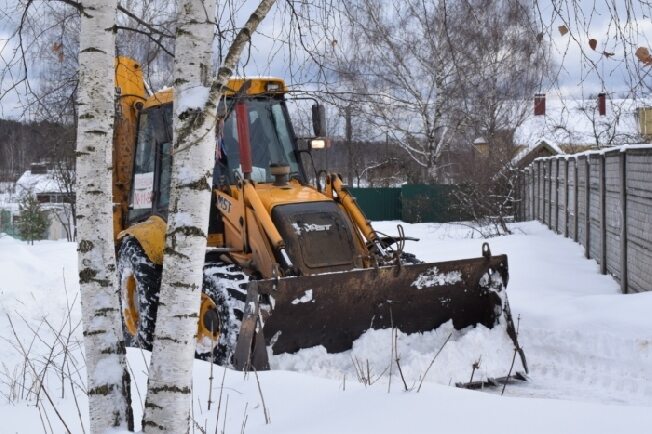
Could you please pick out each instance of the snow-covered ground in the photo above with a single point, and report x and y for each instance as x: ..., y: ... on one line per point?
x: 589, y: 350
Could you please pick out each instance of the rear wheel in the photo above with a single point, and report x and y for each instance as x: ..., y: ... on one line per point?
x: 139, y: 281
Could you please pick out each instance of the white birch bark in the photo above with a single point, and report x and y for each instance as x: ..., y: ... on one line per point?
x: 167, y: 407
x: 108, y: 378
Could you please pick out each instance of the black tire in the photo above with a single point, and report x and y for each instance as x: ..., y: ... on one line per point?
x: 132, y: 261
x: 226, y: 285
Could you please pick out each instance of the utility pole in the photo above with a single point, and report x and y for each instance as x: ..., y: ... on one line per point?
x: 349, y: 144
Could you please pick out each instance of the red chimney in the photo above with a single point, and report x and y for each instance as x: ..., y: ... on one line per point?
x: 602, y: 103
x: 539, y: 104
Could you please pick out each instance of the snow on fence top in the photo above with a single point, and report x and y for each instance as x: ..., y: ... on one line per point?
x: 603, y: 151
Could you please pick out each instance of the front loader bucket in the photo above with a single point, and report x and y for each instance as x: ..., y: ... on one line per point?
x: 335, y: 309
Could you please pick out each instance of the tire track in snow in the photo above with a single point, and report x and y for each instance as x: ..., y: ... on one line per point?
x: 587, y: 365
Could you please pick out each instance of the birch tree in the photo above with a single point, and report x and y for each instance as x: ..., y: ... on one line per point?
x: 108, y: 378
x: 167, y: 407
x: 431, y: 74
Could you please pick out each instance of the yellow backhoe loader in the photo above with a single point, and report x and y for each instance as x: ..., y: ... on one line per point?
x: 289, y: 265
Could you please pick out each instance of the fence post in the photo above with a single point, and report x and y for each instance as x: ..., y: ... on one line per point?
x: 533, y: 181
x: 542, y: 197
x: 556, y: 195
x: 549, y: 194
x: 535, y: 191
x: 526, y: 196
x: 587, y: 200
x: 576, y: 189
x: 540, y: 193
x: 602, y: 190
x: 520, y: 179
x: 623, y: 225
x: 566, y: 213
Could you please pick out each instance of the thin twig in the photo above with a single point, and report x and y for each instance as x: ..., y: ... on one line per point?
x: 268, y: 419
x: 397, y: 360
x: 45, y: 392
x: 210, y: 375
x: 219, y: 401
x: 433, y: 361
x: 244, y: 420
x: 516, y: 348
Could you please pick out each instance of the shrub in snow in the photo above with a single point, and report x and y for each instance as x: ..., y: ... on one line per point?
x: 33, y: 222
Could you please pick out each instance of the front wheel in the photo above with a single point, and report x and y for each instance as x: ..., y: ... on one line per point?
x: 139, y: 281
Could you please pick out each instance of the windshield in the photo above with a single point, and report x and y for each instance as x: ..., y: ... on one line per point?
x: 270, y: 136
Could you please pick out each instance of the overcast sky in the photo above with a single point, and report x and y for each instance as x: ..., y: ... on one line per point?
x: 580, y: 71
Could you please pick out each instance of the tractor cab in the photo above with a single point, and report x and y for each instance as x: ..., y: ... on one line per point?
x: 253, y: 134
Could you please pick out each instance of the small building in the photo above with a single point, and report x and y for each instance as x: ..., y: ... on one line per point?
x: 542, y: 148
x: 53, y: 190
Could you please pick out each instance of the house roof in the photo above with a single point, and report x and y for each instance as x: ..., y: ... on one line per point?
x: 578, y: 122
x: 38, y: 183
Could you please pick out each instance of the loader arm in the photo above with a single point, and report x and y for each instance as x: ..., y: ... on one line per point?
x: 263, y: 217
x: 336, y: 189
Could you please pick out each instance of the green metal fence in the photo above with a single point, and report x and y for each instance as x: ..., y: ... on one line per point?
x: 379, y: 203
x: 412, y: 203
x: 428, y: 203
x: 6, y: 224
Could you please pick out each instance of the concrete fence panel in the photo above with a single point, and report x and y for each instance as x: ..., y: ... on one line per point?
x: 602, y: 200
x: 639, y: 220
x: 594, y: 207
x: 581, y: 201
x: 562, y: 198
x: 546, y: 192
x: 613, y: 212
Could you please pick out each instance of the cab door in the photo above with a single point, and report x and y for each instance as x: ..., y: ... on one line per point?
x: 152, y: 164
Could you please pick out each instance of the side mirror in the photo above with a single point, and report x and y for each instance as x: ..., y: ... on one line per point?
x: 319, y: 120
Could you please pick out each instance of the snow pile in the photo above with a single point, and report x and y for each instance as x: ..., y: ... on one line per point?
x: 372, y: 357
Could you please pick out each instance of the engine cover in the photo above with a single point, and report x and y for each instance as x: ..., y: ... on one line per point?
x: 318, y: 236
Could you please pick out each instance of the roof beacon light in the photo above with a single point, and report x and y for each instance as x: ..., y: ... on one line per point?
x: 273, y: 87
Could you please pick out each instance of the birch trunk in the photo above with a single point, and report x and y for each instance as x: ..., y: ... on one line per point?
x: 167, y: 407
x: 108, y: 378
